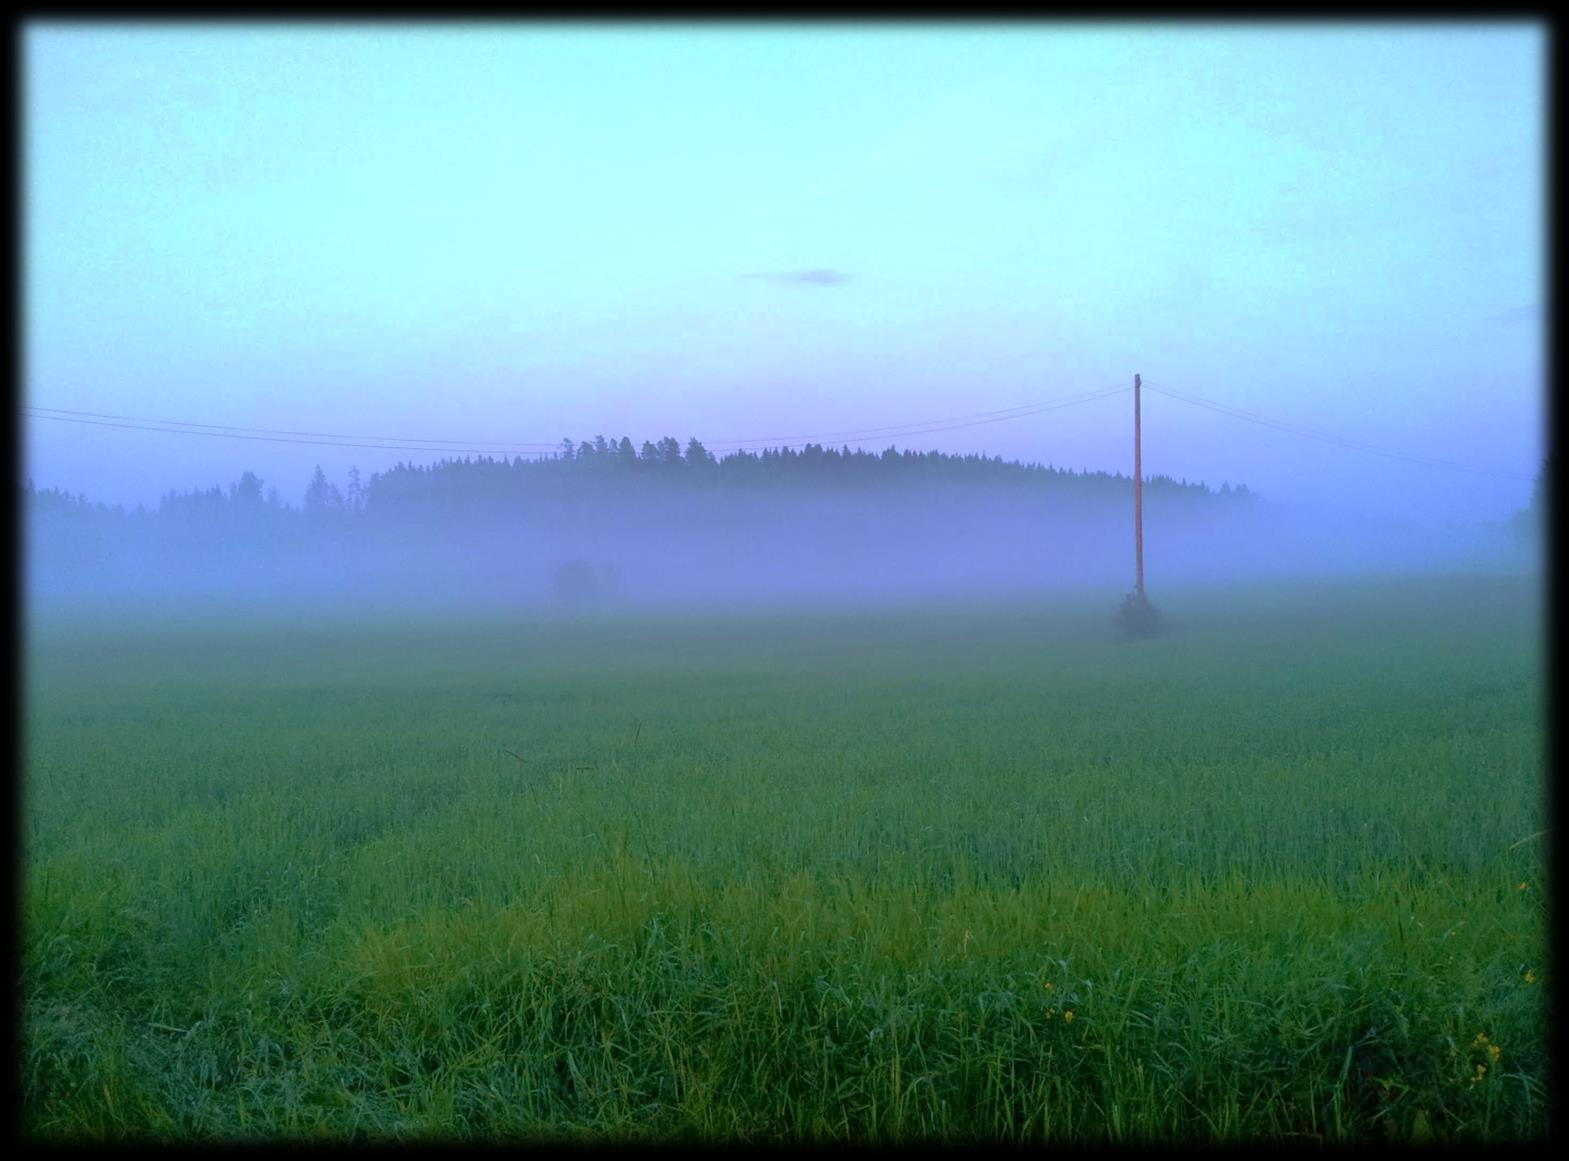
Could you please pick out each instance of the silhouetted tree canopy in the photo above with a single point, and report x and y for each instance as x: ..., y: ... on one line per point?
x: 466, y: 504
x: 1531, y: 521
x: 600, y: 470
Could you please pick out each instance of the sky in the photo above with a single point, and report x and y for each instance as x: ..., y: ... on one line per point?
x: 520, y: 232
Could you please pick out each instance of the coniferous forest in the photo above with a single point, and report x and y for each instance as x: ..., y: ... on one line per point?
x: 601, y: 519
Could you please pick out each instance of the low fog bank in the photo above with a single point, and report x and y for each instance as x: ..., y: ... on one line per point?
x: 684, y: 549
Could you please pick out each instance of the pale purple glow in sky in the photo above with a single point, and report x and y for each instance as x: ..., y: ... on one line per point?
x: 529, y: 232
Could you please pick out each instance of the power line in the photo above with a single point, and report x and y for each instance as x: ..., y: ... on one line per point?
x: 539, y: 449
x: 534, y: 448
x: 270, y: 438
x: 1016, y: 412
x: 1342, y: 441
x: 56, y: 411
x: 912, y: 429
x: 1324, y: 437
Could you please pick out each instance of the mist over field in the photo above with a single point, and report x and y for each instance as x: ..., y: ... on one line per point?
x: 788, y: 797
x: 559, y: 541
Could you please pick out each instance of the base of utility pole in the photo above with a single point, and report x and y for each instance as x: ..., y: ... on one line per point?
x: 1137, y: 618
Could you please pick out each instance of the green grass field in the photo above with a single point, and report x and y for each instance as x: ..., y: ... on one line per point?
x: 909, y: 874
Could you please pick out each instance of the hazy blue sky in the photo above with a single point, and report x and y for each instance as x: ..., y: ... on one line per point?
x: 523, y: 232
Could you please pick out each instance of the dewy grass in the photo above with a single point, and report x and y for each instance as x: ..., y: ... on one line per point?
x: 947, y: 874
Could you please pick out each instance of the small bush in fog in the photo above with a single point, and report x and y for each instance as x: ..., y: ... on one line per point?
x: 1137, y: 618
x: 582, y: 582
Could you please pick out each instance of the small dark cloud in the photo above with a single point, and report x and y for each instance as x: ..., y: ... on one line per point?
x: 819, y: 277
x: 1531, y: 312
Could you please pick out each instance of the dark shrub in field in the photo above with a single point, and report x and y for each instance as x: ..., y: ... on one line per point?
x: 1137, y: 617
x: 583, y: 582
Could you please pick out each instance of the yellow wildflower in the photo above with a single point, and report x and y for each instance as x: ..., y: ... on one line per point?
x: 1068, y: 1016
x: 1530, y: 977
x: 1493, y: 1052
x: 1048, y: 985
x: 1523, y: 887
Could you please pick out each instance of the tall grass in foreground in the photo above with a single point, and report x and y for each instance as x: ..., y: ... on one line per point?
x: 918, y: 874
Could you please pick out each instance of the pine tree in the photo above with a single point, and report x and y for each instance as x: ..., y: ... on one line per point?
x: 246, y: 492
x: 322, y: 496
x: 697, y: 455
x: 1531, y: 521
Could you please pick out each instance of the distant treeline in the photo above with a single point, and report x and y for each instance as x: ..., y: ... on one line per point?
x: 663, y: 519
x: 600, y: 470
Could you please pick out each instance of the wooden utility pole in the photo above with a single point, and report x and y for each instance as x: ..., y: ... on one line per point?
x: 1138, y: 498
